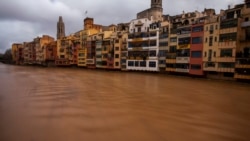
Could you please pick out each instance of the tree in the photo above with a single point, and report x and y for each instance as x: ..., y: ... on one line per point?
x: 7, y: 56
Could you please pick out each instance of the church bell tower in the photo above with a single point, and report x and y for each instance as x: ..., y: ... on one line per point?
x: 156, y: 3
x: 60, y: 28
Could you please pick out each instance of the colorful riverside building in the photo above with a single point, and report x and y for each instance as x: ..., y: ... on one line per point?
x: 175, y: 21
x: 242, y: 67
x: 118, y: 41
x: 197, y: 42
x: 143, y: 39
x: 163, y: 43
x: 104, y: 48
x: 67, y: 50
x: 40, y: 48
x: 29, y: 53
x: 108, y: 45
x: 143, y: 45
x: 184, y: 43
x: 85, y: 52
x: 211, y: 46
x: 50, y: 53
x: 229, y: 33
x: 91, y: 54
x: 196, y: 48
x: 17, y: 53
x: 121, y: 46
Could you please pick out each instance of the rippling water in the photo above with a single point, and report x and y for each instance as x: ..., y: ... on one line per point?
x: 60, y: 104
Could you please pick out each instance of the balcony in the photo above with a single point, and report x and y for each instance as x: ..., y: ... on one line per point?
x: 182, y: 70
x: 227, y: 44
x: 242, y: 66
x: 162, y: 65
x: 210, y: 69
x: 225, y: 59
x: 243, y: 63
x: 226, y: 70
x: 241, y: 76
x: 182, y: 60
x: 170, y: 61
x: 170, y: 69
x: 245, y: 24
x: 90, y: 61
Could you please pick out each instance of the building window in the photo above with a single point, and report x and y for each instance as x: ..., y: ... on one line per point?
x: 206, y: 40
x: 117, y: 48
x: 139, y: 29
x: 196, y: 54
x: 214, y: 54
x: 152, y: 64
x: 130, y: 63
x: 162, y: 53
x: 215, y: 39
x: 196, y: 67
x: 172, y: 49
x: 210, y: 64
x: 229, y: 24
x: 136, y: 63
x: 228, y: 37
x: 162, y: 62
x: 152, y: 53
x: 183, y: 53
x: 184, y: 41
x: 205, y: 54
x: 196, y: 40
x: 143, y: 64
x: 226, y: 65
x: 152, y: 42
x: 117, y: 64
x: 216, y: 27
x: 173, y: 39
x: 246, y: 19
x: 211, y: 41
x: 197, y: 29
x: 226, y: 53
x: 163, y: 44
x: 117, y: 55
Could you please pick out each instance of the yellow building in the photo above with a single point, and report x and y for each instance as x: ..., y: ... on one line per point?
x: 119, y: 40
x: 211, y: 45
x: 228, y: 42
x: 63, y: 51
x: 242, y: 67
x: 103, y: 46
x: 89, y: 29
x: 124, y: 51
x: 17, y: 53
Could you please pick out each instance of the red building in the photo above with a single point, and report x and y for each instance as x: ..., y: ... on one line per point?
x: 196, y: 48
x: 50, y: 53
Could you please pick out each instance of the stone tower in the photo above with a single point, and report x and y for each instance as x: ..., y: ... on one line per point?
x: 154, y: 12
x: 156, y: 3
x: 60, y: 28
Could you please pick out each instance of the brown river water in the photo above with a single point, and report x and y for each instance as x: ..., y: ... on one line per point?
x: 63, y: 104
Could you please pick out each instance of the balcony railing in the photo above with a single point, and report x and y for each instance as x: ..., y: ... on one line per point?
x: 182, y: 59
x: 182, y: 70
x: 225, y: 59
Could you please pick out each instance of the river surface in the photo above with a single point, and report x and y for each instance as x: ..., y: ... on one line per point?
x: 63, y: 104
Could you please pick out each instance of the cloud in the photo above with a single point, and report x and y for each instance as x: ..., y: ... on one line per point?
x: 22, y: 21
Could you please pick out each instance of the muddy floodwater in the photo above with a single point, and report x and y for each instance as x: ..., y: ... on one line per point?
x: 63, y: 104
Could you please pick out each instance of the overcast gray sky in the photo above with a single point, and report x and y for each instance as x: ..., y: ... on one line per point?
x: 23, y: 20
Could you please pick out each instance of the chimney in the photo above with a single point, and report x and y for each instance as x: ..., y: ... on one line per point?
x: 229, y: 6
